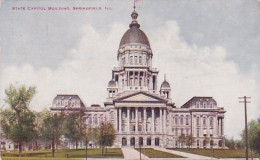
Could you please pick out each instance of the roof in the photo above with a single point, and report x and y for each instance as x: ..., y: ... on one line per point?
x: 165, y: 84
x: 195, y: 99
x: 112, y: 83
x: 134, y: 35
x: 69, y: 97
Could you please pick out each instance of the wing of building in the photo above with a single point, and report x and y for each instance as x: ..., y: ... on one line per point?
x: 142, y: 112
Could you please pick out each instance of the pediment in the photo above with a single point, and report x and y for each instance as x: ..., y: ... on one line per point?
x: 140, y: 97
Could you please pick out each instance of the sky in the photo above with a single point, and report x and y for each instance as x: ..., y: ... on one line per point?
x: 205, y: 48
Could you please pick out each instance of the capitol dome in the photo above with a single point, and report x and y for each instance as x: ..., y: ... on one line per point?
x: 134, y: 34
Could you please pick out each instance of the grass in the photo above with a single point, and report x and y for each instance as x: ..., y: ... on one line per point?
x: 152, y: 153
x: 31, y: 158
x: 218, y: 153
x: 66, y: 153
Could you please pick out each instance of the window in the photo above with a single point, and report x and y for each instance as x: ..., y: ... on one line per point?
x: 176, y: 121
x: 187, y: 120
x: 197, y: 104
x: 90, y: 120
x: 182, y: 131
x: 136, y: 59
x: 131, y: 59
x: 211, y: 121
x: 140, y: 60
x: 198, y: 132
x: 211, y: 105
x: 187, y: 131
x: 198, y: 121
x: 181, y: 120
x: 204, y: 121
x: 204, y: 105
x: 176, y: 132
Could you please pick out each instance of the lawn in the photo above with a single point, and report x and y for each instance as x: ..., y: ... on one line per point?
x: 152, y: 153
x: 67, y: 153
x: 31, y: 158
x: 218, y: 153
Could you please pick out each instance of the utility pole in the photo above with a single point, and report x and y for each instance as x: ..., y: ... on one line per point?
x: 245, y: 101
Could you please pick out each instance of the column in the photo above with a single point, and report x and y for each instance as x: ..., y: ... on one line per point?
x: 164, y: 120
x: 116, y: 119
x: 120, y: 120
x: 145, y: 79
x: 170, y: 119
x: 145, y: 117
x: 128, y: 79
x: 152, y: 120
x: 222, y: 127
x: 161, y: 126
x: 128, y: 119
x: 155, y: 85
x: 136, y: 119
x: 219, y: 128
x: 139, y: 79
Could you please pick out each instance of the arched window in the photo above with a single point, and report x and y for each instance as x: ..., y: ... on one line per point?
x: 211, y: 121
x: 131, y: 60
x: 149, y: 141
x: 211, y: 105
x: 141, y: 141
x: 198, y: 132
x: 140, y: 60
x: 187, y: 120
x: 181, y: 120
x: 198, y: 105
x: 204, y: 121
x: 124, y: 141
x: 157, y: 141
x: 204, y: 105
x: 198, y: 143
x: 136, y: 59
x: 176, y: 121
x: 198, y: 121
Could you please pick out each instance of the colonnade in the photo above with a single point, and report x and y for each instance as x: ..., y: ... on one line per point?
x: 145, y: 123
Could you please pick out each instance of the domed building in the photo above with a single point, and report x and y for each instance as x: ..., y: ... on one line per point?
x: 144, y: 114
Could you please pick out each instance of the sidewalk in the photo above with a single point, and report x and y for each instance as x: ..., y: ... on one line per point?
x: 184, y: 154
x: 131, y: 154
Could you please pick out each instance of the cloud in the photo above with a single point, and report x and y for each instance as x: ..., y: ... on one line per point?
x: 204, y: 71
x: 191, y: 70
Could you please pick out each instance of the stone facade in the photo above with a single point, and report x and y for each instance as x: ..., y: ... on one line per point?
x: 142, y: 112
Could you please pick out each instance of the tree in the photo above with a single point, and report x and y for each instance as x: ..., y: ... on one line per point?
x: 74, y: 127
x: 39, y: 122
x: 206, y: 141
x: 254, y: 135
x: 51, y: 129
x: 18, y: 120
x: 230, y: 143
x: 190, y: 140
x: 107, y: 135
x: 182, y: 140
